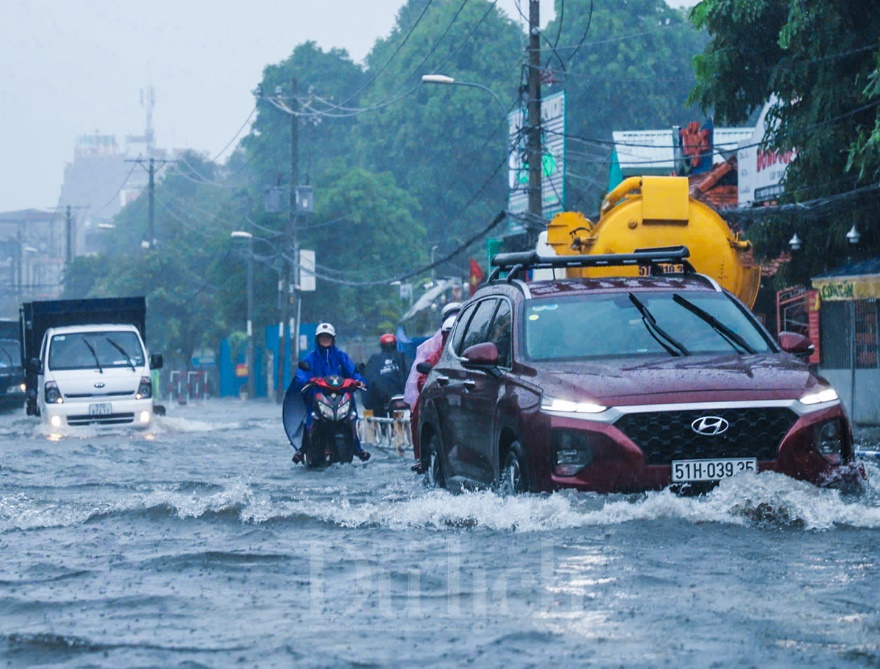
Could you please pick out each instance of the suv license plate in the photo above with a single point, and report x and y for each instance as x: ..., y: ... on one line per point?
x: 684, y: 471
x: 100, y: 409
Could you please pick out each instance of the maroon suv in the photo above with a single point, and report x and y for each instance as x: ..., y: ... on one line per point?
x: 623, y: 384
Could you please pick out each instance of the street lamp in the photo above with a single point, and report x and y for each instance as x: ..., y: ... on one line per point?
x: 795, y: 242
x: 853, y: 235
x: 444, y: 80
x: 249, y: 355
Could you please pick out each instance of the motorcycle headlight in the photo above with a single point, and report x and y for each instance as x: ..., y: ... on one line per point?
x: 324, y: 407
x: 343, y: 407
x: 145, y: 388
x: 53, y: 395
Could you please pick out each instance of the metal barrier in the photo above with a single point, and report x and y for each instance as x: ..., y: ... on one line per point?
x: 186, y: 387
x: 390, y: 433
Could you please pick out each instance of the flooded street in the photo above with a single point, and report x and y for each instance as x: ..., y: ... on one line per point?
x: 201, y: 545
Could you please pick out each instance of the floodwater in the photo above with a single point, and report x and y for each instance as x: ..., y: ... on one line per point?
x: 201, y: 545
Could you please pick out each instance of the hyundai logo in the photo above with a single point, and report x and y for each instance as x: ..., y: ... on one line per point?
x: 710, y: 426
x: 99, y: 385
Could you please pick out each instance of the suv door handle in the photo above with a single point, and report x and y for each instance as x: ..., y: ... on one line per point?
x: 470, y: 384
x: 443, y: 380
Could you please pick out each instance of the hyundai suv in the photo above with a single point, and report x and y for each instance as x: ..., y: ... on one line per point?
x: 622, y: 384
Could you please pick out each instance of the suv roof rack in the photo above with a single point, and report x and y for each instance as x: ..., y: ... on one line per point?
x: 513, y: 263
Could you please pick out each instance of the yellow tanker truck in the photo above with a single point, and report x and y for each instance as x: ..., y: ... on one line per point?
x: 650, y: 212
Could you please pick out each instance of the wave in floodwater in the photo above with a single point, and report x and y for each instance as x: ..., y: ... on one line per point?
x: 750, y: 500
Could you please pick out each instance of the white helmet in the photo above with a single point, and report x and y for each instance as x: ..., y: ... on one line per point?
x: 449, y: 309
x: 325, y: 328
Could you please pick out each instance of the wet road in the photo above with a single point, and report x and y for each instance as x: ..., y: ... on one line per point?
x: 200, y: 545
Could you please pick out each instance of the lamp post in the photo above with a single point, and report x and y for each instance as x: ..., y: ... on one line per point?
x: 443, y: 80
x: 249, y: 355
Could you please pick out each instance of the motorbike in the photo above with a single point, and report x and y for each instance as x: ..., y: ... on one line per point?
x: 331, y: 436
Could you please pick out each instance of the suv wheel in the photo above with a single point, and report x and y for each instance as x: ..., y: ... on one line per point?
x: 514, y: 478
x: 434, y: 475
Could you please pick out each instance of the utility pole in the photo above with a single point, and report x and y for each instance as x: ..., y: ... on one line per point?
x: 68, y: 255
x: 535, y: 152
x: 289, y: 241
x: 150, y: 241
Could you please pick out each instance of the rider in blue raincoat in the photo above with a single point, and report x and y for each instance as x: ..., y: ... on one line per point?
x: 325, y: 360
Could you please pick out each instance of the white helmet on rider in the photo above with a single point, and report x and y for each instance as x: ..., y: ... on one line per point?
x: 325, y: 328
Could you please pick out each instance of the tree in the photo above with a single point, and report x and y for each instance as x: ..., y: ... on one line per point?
x: 365, y: 229
x: 625, y: 65
x: 446, y: 146
x: 819, y: 62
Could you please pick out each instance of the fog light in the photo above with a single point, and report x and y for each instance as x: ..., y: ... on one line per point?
x: 55, y: 421
x: 571, y: 452
x: 145, y: 417
x: 828, y: 438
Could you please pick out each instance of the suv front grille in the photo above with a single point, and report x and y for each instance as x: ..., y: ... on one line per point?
x: 665, y: 436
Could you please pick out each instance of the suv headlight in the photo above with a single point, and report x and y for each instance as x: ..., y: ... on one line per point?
x: 567, y: 406
x: 828, y: 438
x: 52, y: 394
x: 820, y: 397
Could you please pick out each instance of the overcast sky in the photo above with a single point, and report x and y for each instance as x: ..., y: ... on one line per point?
x: 74, y: 67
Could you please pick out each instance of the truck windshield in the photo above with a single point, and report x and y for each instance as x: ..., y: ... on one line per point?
x: 10, y: 353
x: 95, y: 350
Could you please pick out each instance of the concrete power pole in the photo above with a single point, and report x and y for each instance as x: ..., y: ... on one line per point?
x: 289, y: 243
x: 68, y: 221
x: 535, y: 151
x: 150, y: 241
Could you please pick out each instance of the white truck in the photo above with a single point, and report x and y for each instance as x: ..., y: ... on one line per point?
x: 87, y: 363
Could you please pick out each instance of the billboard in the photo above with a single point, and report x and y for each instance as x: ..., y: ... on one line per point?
x: 760, y: 172
x: 553, y: 161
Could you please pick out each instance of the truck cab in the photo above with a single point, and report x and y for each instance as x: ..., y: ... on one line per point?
x: 93, y: 367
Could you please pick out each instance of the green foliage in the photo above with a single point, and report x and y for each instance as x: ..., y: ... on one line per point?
x: 819, y: 60
x: 632, y: 71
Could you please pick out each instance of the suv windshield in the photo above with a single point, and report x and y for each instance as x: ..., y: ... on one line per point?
x: 600, y: 326
x: 95, y: 350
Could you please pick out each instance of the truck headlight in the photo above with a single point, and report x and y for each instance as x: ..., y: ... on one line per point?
x: 145, y: 388
x: 52, y: 394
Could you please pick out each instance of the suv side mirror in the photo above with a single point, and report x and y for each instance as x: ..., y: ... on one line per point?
x: 796, y: 344
x: 156, y: 361
x: 481, y: 355
x: 424, y: 367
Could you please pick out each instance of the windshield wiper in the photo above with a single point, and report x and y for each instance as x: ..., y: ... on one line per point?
x: 666, y: 340
x: 94, y: 354
x: 726, y: 333
x: 123, y: 351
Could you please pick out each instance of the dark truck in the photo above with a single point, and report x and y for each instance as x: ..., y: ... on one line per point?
x: 86, y: 362
x: 11, y: 369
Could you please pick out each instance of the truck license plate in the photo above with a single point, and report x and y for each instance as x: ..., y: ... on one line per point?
x: 100, y: 409
x: 711, y: 470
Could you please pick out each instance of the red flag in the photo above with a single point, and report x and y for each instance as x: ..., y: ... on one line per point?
x: 476, y: 277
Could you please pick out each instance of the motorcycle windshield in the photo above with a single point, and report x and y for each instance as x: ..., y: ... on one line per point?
x: 293, y: 414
